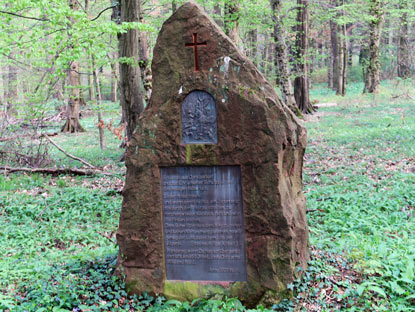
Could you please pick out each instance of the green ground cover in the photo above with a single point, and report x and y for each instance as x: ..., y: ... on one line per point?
x: 57, y: 242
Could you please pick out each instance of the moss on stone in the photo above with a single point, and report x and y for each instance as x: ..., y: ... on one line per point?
x: 183, y: 291
x: 131, y: 286
x: 189, y: 154
x: 188, y: 291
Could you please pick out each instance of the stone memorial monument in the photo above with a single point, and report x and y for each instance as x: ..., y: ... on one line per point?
x: 213, y: 201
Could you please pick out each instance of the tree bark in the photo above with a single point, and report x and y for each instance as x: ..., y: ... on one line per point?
x: 114, y: 74
x: 342, y: 61
x: 99, y: 98
x: 301, y: 90
x: 364, y: 61
x: 403, y: 48
x: 330, y: 66
x: 72, y: 124
x: 91, y: 84
x: 270, y: 52
x: 11, y: 88
x: 217, y: 11
x: 341, y: 66
x: 114, y: 82
x: 372, y: 83
x: 144, y: 55
x: 351, y: 45
x: 281, y: 57
x: 252, y: 44
x: 5, y: 91
x: 232, y: 20
x: 334, y: 50
x: 131, y: 94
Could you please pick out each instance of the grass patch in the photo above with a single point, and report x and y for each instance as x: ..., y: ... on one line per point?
x: 359, y: 177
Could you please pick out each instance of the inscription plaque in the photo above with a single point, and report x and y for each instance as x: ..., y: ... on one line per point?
x: 199, y: 125
x: 203, y: 223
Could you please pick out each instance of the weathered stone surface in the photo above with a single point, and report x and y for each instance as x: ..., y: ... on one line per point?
x: 254, y: 131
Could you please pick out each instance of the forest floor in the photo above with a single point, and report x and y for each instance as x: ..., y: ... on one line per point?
x: 57, y: 242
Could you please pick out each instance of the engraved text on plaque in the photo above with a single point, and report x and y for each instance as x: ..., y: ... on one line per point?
x: 203, y: 223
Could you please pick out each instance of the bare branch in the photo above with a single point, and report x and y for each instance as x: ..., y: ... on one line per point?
x: 67, y: 154
x: 74, y: 171
x: 95, y: 18
x: 26, y: 17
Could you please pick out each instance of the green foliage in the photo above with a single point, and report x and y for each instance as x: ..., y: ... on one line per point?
x: 41, y: 39
x: 360, y: 188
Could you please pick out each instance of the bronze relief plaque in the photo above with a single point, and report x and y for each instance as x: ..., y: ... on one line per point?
x: 199, y: 122
x: 203, y: 222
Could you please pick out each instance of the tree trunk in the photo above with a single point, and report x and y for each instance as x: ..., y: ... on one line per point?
x: 173, y: 6
x: 269, y: 59
x: 5, y: 91
x: 364, y: 61
x: 263, y: 53
x: 252, y: 44
x: 281, y: 57
x: 72, y: 110
x: 91, y: 85
x: 11, y: 89
x: 301, y: 90
x: 330, y: 66
x: 403, y: 49
x: 101, y: 125
x: 372, y: 83
x: 114, y: 82
x: 342, y: 61
x: 232, y: 19
x: 340, y: 71
x: 114, y: 74
x: 334, y: 52
x: 218, y: 15
x: 351, y: 46
x: 322, y: 50
x: 144, y: 55
x: 131, y: 95
x: 72, y: 124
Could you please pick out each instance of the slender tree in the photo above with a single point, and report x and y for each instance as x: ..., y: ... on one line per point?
x: 252, y: 45
x: 342, y: 55
x: 403, y: 48
x: 5, y: 91
x: 372, y: 83
x: 131, y: 94
x: 11, y: 88
x: 301, y: 85
x: 281, y: 57
x: 144, y: 56
x: 334, y: 57
x: 72, y: 123
x: 217, y: 11
x: 97, y: 85
x: 114, y: 78
x: 231, y: 19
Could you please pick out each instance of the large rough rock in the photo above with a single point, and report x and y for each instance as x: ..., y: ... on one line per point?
x: 255, y: 130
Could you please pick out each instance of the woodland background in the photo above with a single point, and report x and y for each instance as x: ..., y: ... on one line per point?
x: 75, y: 76
x: 69, y: 55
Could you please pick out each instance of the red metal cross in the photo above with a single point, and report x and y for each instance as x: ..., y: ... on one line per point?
x: 194, y: 45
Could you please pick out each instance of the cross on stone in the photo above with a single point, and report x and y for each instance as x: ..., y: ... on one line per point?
x: 194, y: 45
